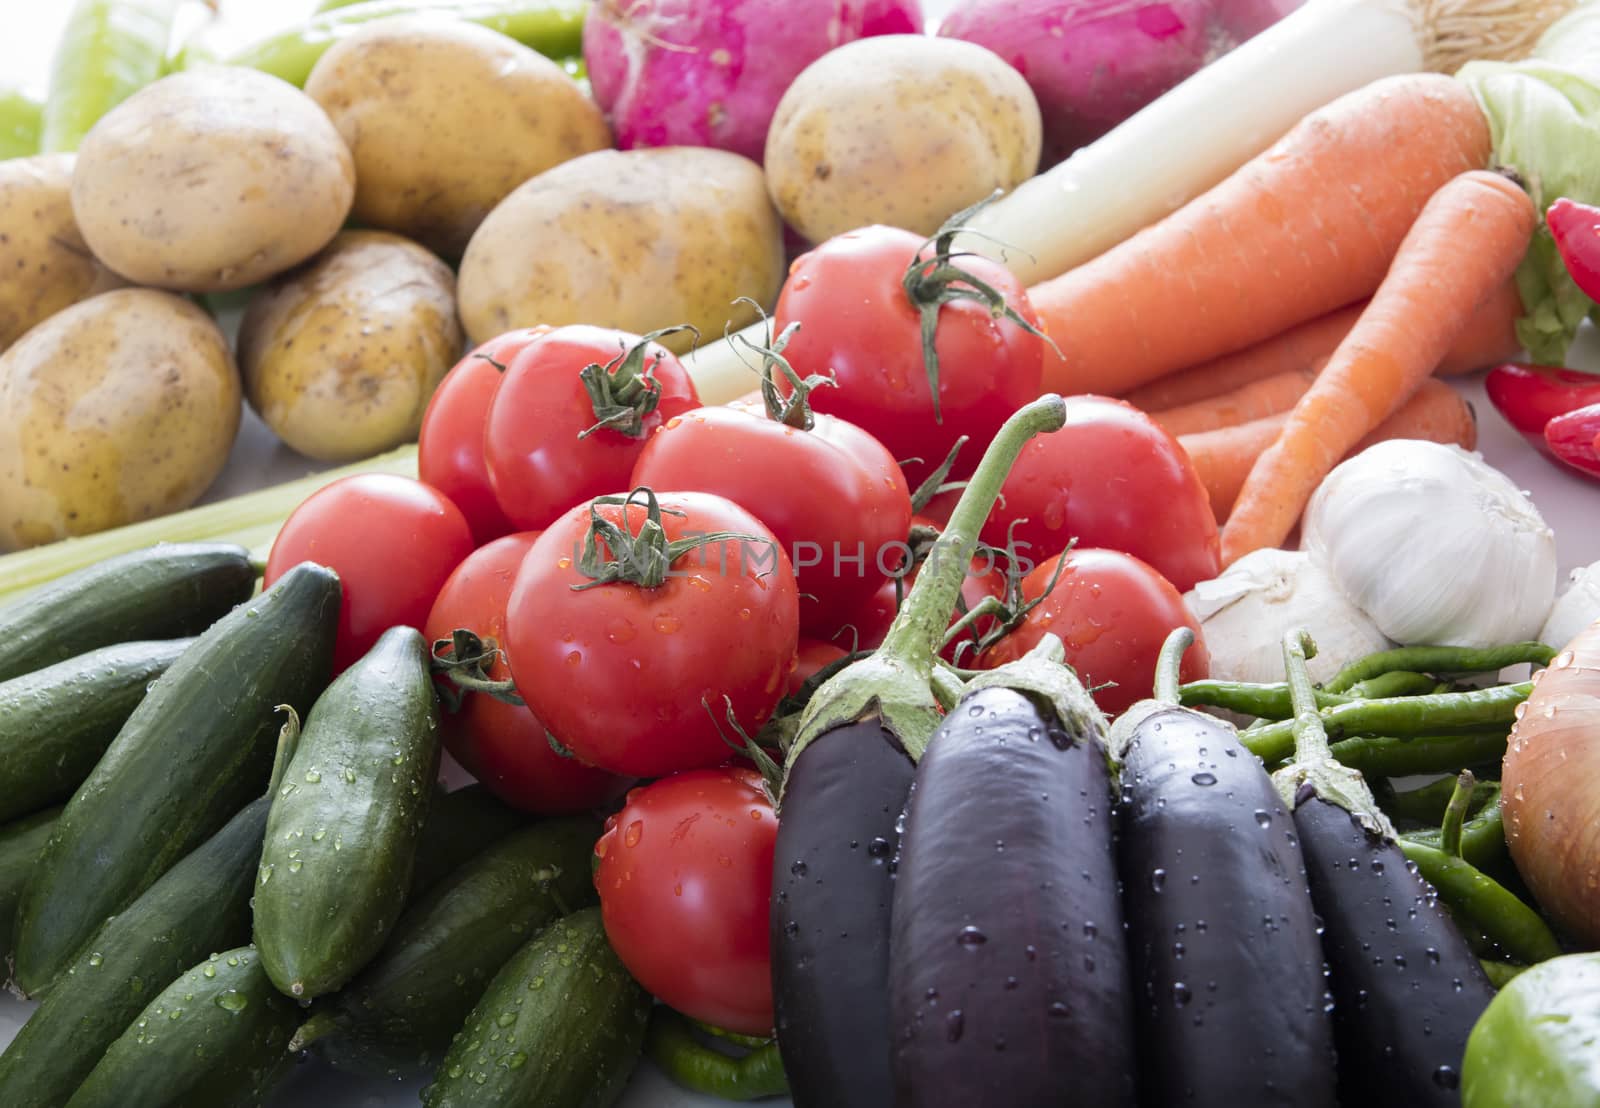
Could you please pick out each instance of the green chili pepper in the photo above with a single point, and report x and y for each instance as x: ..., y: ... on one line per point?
x: 1403, y: 756
x: 671, y: 1044
x: 1399, y: 682
x: 21, y: 117
x: 1535, y: 1043
x: 1513, y: 926
x: 1483, y: 843
x: 1439, y: 659
x: 111, y: 49
x: 1427, y: 803
x: 552, y: 27
x: 1271, y: 701
x: 334, y: 5
x: 1439, y: 713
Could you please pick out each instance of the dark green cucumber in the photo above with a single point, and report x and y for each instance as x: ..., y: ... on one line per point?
x: 21, y: 842
x: 196, y: 750
x: 216, y: 1037
x: 397, y: 1015
x: 461, y: 825
x: 161, y: 592
x: 345, y: 823
x: 560, y: 1026
x: 200, y: 905
x: 56, y: 722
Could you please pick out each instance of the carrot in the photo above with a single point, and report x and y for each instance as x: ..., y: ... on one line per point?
x: 1306, y: 227
x: 1265, y: 397
x: 1490, y: 337
x: 1223, y: 457
x: 1467, y: 241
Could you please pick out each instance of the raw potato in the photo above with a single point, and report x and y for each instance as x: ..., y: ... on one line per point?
x: 44, y: 265
x: 341, y: 356
x: 444, y: 119
x: 636, y: 239
x: 211, y: 179
x: 119, y: 408
x: 901, y: 129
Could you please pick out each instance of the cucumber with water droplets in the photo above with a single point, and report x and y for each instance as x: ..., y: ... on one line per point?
x: 560, y: 1026
x: 399, y: 1013
x: 56, y: 722
x: 217, y: 1037
x: 21, y: 842
x: 342, y: 837
x: 460, y: 826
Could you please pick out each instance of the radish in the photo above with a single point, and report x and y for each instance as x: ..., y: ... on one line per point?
x: 1093, y: 63
x: 710, y: 72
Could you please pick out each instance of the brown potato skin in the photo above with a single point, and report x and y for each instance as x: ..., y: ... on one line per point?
x: 444, y: 119
x: 211, y: 179
x: 634, y: 239
x: 44, y: 264
x: 903, y: 130
x: 116, y: 409
x: 341, y: 355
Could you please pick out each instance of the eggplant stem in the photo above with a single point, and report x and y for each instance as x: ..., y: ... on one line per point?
x: 1310, y: 737
x: 1169, y: 662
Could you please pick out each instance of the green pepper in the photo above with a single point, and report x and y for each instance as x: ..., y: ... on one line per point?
x: 1439, y: 659
x: 21, y: 117
x: 1271, y: 701
x: 1402, y: 756
x: 111, y: 49
x: 670, y: 1043
x: 1538, y: 1042
x: 1475, y: 710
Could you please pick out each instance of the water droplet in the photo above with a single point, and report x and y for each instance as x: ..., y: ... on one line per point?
x: 970, y: 936
x: 798, y: 869
x: 96, y: 959
x: 210, y: 971
x: 954, y: 1024
x: 633, y: 834
x: 1204, y: 779
x: 1090, y: 930
x: 233, y: 1001
x: 313, y: 776
x: 668, y: 624
x: 294, y: 865
x: 1058, y: 1010
x: 1263, y: 818
x: 516, y: 1060
x: 878, y: 847
x: 1446, y: 1077
x: 1562, y: 660
x: 1180, y: 994
x: 1158, y: 880
x: 506, y: 1019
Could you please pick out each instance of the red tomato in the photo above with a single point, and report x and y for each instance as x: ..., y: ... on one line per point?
x: 1111, y: 478
x: 391, y: 540
x: 869, y: 623
x: 865, y: 627
x: 1112, y: 612
x: 538, y: 464
x: 504, y: 745
x: 450, y: 446
x: 833, y: 495
x: 685, y: 877
x: 623, y: 674
x: 814, y: 654
x: 856, y: 321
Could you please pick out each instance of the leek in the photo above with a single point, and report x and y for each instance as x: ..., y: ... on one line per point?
x: 251, y: 520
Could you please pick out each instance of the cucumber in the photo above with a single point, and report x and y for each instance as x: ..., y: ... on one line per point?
x: 56, y: 722
x: 21, y: 841
x: 460, y: 826
x: 215, y: 1038
x: 200, y: 905
x: 342, y: 838
x: 162, y: 592
x: 398, y: 1015
x: 560, y: 1026
x: 196, y: 749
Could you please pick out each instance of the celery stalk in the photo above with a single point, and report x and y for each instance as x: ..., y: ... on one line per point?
x: 251, y: 520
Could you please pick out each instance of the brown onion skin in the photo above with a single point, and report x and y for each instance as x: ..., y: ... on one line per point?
x: 1551, y: 783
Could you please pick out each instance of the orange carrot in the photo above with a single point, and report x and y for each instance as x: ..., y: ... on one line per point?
x: 1490, y: 337
x: 1467, y: 241
x: 1223, y: 457
x: 1265, y: 397
x: 1306, y: 227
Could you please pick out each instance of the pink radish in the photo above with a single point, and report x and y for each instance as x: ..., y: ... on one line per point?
x: 711, y: 72
x: 1093, y: 63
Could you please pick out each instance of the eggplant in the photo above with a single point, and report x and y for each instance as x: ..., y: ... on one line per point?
x: 1233, y: 1002
x: 847, y: 773
x: 1008, y: 974
x: 1407, y: 987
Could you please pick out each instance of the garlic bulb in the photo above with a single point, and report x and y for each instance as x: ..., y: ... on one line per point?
x: 1245, y: 613
x: 1576, y: 608
x: 1434, y: 545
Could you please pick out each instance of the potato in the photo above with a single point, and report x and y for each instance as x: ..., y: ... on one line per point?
x: 341, y: 355
x: 900, y: 129
x: 44, y: 265
x: 211, y: 179
x: 445, y: 118
x: 119, y: 408
x: 636, y: 239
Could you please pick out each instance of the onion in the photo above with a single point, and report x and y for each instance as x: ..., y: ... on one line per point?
x: 1551, y: 788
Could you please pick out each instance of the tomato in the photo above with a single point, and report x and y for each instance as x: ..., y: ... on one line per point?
x: 869, y: 623
x: 1111, y: 478
x: 632, y: 678
x: 813, y: 654
x: 504, y: 745
x: 865, y: 627
x: 450, y: 446
x: 833, y: 495
x: 1112, y: 612
x: 857, y: 322
x: 392, y: 541
x: 538, y: 464
x: 685, y: 876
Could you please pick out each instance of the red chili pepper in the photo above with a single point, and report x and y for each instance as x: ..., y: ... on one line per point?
x: 1530, y: 396
x: 1575, y: 439
x: 1576, y: 229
